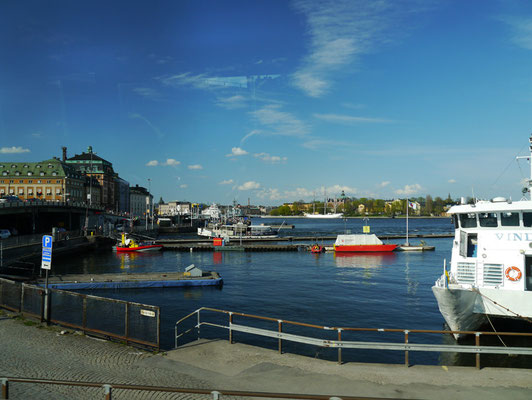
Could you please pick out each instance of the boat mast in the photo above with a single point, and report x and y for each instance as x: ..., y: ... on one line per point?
x: 407, y: 206
x: 529, y: 158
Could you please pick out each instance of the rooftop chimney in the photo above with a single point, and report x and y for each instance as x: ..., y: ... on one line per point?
x: 64, y: 153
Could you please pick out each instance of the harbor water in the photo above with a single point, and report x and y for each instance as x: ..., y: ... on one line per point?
x: 382, y: 290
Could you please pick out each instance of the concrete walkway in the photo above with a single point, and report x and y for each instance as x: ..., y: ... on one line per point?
x: 32, y: 351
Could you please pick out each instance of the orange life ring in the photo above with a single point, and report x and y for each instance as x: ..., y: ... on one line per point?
x: 513, y: 273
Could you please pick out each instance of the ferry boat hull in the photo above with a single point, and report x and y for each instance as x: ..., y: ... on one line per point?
x: 324, y: 216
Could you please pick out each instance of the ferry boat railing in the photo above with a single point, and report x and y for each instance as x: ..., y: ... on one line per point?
x: 340, y: 344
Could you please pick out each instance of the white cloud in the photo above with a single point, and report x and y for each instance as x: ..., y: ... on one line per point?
x: 269, y: 158
x: 271, y: 194
x: 349, y: 120
x: 317, y: 144
x: 522, y: 30
x: 451, y: 181
x: 409, y: 190
x: 250, y: 185
x: 171, y: 162
x: 226, y: 182
x: 237, y: 151
x: 336, y: 190
x: 384, y: 184
x: 148, y: 92
x: 232, y: 103
x: 142, y: 118
x: 279, y: 122
x: 340, y: 32
x: 13, y: 150
x: 252, y: 133
x: 203, y: 81
x: 195, y: 166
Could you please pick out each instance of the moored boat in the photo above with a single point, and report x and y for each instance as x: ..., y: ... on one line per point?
x: 361, y: 243
x: 490, y: 274
x: 128, y: 245
x: 238, y: 231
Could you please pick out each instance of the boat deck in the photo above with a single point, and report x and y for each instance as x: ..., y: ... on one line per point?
x: 130, y: 281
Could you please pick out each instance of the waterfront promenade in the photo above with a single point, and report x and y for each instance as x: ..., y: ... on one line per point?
x: 34, y: 351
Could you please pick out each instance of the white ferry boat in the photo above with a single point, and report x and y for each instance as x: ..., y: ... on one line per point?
x: 490, y: 274
x: 238, y: 231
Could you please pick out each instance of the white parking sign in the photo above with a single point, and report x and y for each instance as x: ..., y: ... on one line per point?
x: 46, y: 262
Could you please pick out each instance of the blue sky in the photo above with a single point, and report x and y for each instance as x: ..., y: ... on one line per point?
x: 274, y: 100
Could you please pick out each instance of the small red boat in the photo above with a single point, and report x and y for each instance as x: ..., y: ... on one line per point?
x: 127, y: 245
x: 361, y: 244
x: 140, y: 248
x: 316, y: 249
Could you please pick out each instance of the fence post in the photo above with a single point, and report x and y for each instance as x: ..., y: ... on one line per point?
x: 127, y: 323
x: 47, y: 306
x: 280, y: 340
x: 477, y: 343
x: 199, y: 324
x: 84, y: 316
x: 406, y: 351
x: 230, y: 330
x: 108, y: 391
x: 5, y: 388
x: 339, y: 346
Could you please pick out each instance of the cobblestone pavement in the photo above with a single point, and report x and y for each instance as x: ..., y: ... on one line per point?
x: 29, y: 350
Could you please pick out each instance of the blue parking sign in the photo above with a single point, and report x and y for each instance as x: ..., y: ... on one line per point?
x: 46, y: 262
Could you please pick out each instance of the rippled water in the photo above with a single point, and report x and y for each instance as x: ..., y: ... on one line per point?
x: 365, y: 290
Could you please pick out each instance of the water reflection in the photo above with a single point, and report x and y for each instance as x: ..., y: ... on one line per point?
x: 364, y: 260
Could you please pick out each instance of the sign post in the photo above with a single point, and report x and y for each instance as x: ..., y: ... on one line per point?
x: 46, y: 264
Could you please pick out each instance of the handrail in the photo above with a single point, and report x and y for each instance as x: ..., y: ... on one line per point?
x: 216, y: 394
x: 339, y: 344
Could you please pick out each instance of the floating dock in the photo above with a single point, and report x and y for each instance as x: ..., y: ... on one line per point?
x: 130, y: 281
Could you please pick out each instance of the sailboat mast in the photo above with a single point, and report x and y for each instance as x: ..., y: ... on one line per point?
x: 407, y: 206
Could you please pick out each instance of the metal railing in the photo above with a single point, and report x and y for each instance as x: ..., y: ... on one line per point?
x: 340, y: 344
x: 133, y: 323
x: 216, y: 394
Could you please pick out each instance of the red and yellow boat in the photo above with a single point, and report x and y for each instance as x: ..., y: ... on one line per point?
x: 128, y: 245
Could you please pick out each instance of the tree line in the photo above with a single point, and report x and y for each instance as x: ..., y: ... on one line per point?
x: 353, y: 207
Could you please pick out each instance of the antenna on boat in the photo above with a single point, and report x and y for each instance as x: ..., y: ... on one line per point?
x: 529, y: 158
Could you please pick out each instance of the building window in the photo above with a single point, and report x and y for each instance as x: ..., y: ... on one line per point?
x: 54, y: 173
x: 2, y: 191
x: 11, y: 191
x: 57, y: 191
x: 30, y: 173
x: 4, y: 173
x: 30, y: 191
x: 50, y: 166
x: 48, y: 192
x: 41, y: 173
x: 30, y: 181
x: 48, y: 181
x: 39, y: 166
x: 17, y: 173
x: 57, y: 181
x: 20, y: 191
x: 13, y: 166
x: 21, y: 181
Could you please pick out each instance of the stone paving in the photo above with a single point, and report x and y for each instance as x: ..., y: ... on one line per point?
x: 29, y: 350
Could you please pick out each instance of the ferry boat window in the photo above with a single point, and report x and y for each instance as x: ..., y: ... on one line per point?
x: 528, y: 272
x: 488, y: 220
x: 527, y: 219
x: 468, y: 220
x: 510, y: 219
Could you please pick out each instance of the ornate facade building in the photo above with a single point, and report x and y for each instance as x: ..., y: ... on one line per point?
x: 51, y: 180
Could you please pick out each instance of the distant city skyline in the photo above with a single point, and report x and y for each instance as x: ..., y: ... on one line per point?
x: 275, y: 101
